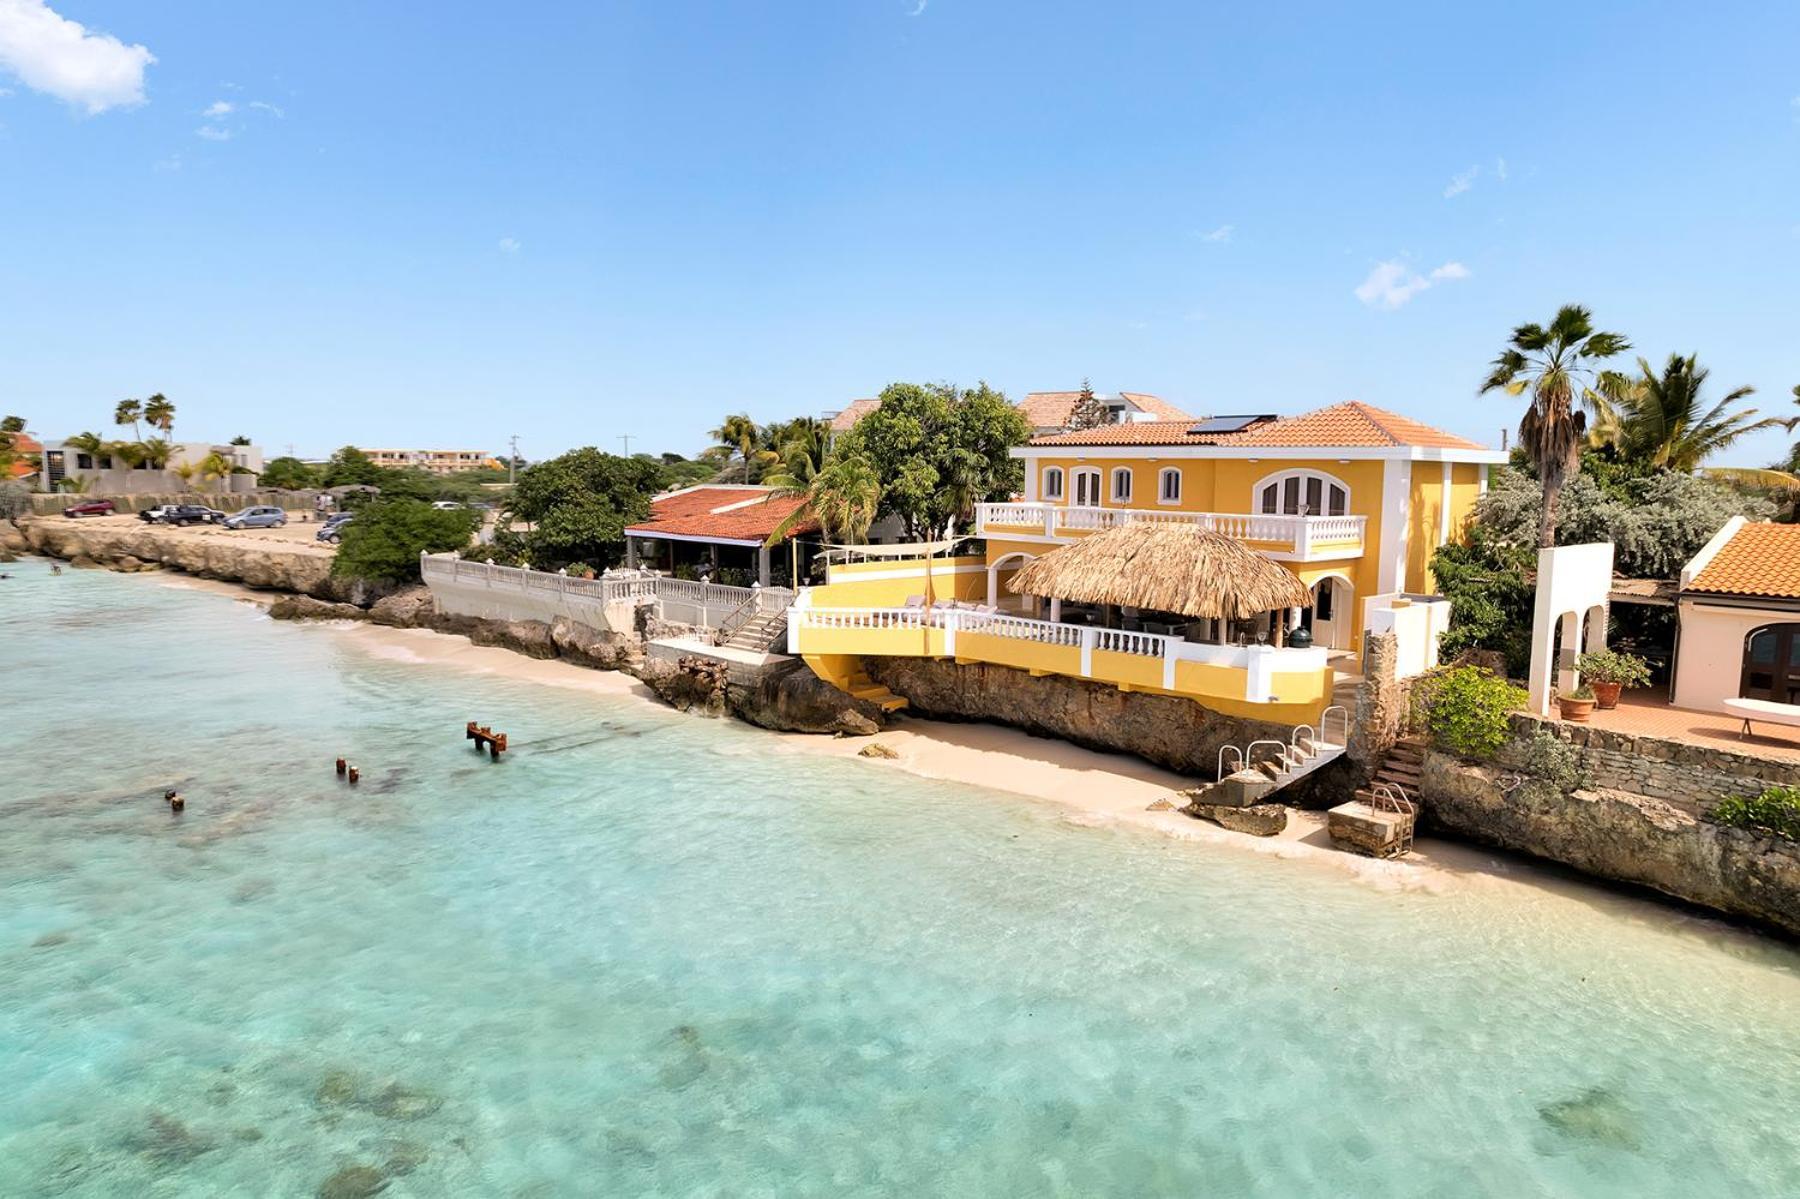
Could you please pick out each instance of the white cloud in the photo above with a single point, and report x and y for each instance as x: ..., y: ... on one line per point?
x: 1461, y: 182
x: 1500, y: 169
x: 213, y: 133
x: 218, y: 108
x: 918, y: 8
x: 509, y: 245
x: 272, y: 109
x: 1221, y: 234
x: 1391, y: 284
x: 52, y: 54
x: 171, y: 163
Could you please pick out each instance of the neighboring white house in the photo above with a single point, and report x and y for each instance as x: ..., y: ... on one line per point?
x: 105, y: 474
x: 1739, y: 610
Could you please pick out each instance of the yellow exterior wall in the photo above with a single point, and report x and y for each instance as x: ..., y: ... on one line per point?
x: 1424, y: 510
x: 889, y: 584
x: 1465, y: 489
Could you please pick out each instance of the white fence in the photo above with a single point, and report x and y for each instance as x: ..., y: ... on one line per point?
x: 1305, y: 536
x: 492, y: 592
x: 1259, y: 663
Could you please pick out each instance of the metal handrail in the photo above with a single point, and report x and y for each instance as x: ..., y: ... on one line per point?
x: 1221, y: 766
x: 1280, y: 751
x: 1343, y: 715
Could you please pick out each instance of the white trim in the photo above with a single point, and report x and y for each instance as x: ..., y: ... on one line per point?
x: 1282, y: 476
x: 650, y: 535
x: 1444, y: 508
x: 1062, y: 482
x: 970, y: 568
x: 1396, y: 502
x: 1482, y: 478
x: 1113, y: 477
x: 1162, y: 474
x: 1031, y: 487
x: 1710, y: 550
x: 1321, y: 453
x: 1072, y: 482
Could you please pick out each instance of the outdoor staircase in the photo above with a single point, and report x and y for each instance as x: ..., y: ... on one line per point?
x: 1381, y: 819
x: 1401, y: 768
x: 864, y: 687
x: 1264, y: 767
x: 759, y: 633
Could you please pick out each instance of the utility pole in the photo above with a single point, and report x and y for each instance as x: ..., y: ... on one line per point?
x: 625, y: 440
x: 512, y: 459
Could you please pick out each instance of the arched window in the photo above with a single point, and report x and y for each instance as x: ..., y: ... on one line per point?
x: 1168, y: 485
x: 1053, y: 483
x: 1087, y: 487
x: 1121, y: 485
x: 1302, y: 492
x: 1772, y: 664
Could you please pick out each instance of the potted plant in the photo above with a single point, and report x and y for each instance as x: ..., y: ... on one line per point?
x: 1609, y: 673
x: 1578, y: 704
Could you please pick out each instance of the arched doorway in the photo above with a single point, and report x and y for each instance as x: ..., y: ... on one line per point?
x: 1332, y: 615
x: 1771, y: 668
x: 1008, y: 562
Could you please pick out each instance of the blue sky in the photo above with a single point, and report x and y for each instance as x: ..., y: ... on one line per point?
x: 443, y: 224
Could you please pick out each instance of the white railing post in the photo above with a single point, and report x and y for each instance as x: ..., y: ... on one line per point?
x: 950, y: 624
x: 1088, y: 637
x: 1050, y: 514
x: 1169, y: 644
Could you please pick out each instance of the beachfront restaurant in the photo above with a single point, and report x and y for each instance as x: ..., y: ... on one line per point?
x: 719, y: 533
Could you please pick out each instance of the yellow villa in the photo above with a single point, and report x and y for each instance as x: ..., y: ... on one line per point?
x: 1351, y: 499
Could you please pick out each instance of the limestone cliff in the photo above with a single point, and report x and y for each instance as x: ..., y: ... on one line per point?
x: 1621, y: 836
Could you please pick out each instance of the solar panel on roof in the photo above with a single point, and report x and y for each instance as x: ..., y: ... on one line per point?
x: 1227, y: 424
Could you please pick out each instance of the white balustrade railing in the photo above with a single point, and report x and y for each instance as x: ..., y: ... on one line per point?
x: 1296, y: 534
x: 513, y: 578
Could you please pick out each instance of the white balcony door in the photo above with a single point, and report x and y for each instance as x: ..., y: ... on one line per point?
x: 1087, y: 488
x: 1332, y: 621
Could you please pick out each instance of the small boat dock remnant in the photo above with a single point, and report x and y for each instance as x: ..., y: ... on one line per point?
x: 486, y: 738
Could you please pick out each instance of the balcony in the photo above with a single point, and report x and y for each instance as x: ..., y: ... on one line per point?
x: 1249, y: 680
x: 1284, y: 538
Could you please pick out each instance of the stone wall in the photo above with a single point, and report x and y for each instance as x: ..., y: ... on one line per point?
x: 1167, y: 730
x: 53, y: 503
x: 1616, y: 835
x: 1693, y: 776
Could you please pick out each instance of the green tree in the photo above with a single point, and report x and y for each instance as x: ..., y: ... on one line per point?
x: 738, y: 434
x: 937, y: 451
x: 240, y: 439
x: 288, y: 474
x: 130, y: 412
x: 16, y: 424
x: 349, y: 466
x: 843, y: 496
x: 1660, y: 421
x: 156, y: 452
x: 1556, y: 364
x: 579, y: 504
x: 160, y: 413
x: 219, y: 468
x: 383, y: 543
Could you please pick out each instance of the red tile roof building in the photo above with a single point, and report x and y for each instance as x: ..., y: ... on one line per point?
x: 1352, y: 424
x: 729, y: 514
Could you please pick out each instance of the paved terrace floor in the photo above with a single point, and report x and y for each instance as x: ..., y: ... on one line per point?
x: 1648, y: 713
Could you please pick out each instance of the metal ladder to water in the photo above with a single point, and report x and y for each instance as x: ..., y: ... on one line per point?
x: 1305, y: 750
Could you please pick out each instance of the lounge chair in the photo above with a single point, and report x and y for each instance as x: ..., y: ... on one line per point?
x: 1765, y: 710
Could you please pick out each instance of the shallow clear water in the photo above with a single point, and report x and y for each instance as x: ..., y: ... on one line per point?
x: 645, y: 955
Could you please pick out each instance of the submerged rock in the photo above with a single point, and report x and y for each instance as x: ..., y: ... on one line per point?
x: 876, y: 749
x: 1259, y: 820
x: 392, y: 1100
x: 168, y: 1141
x: 354, y: 1182
x: 1597, y: 1115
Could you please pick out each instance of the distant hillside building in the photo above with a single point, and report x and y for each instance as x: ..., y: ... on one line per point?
x: 435, y: 462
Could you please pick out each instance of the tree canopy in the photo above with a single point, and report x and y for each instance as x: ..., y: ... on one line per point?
x: 349, y: 466
x: 383, y: 543
x: 579, y: 504
x: 937, y: 451
x: 288, y: 474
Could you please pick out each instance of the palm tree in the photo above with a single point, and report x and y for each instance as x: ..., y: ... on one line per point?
x: 1556, y: 364
x: 129, y: 412
x: 160, y: 412
x: 737, y: 434
x: 217, y: 466
x: 1659, y: 421
x: 91, y: 444
x: 843, y: 497
x: 156, y: 453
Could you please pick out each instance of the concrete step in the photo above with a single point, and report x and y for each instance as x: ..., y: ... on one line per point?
x: 1361, y: 828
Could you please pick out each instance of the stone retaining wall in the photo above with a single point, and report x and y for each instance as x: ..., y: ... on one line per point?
x: 1695, y: 776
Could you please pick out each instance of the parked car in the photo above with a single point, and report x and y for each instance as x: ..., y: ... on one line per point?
x: 448, y: 505
x: 183, y: 514
x: 334, y: 528
x: 90, y: 508
x: 262, y: 516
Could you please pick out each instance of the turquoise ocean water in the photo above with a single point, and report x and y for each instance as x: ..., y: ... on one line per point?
x: 645, y: 956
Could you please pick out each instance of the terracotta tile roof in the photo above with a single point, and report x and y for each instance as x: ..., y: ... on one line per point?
x: 1051, y: 409
x: 846, y: 420
x: 1760, y: 559
x: 1354, y: 423
x: 24, y: 443
x: 722, y: 513
x: 1142, y: 432
x: 1351, y: 424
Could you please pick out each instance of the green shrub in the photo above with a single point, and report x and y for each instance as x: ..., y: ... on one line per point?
x: 1465, y: 710
x: 384, y: 541
x: 1605, y: 666
x: 1776, y: 810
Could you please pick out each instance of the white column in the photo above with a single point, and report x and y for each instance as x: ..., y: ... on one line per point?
x: 1396, y: 496
x: 950, y: 632
x: 1169, y: 645
x: 762, y: 564
x: 1259, y: 675
x: 1055, y: 609
x: 1444, y: 507
x: 1088, y: 636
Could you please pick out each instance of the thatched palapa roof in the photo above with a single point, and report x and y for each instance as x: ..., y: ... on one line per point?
x: 1165, y: 568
